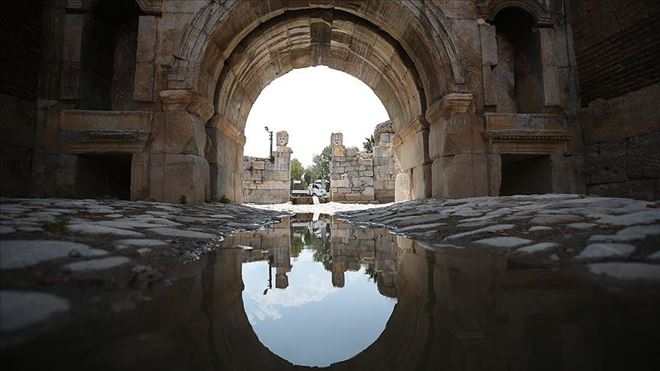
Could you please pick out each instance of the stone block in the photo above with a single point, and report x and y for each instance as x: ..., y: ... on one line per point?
x: 647, y: 189
x: 605, y: 163
x: 180, y: 133
x: 147, y: 39
x: 258, y: 165
x: 551, y: 87
x: 104, y: 131
x: 143, y: 90
x: 421, y: 182
x: 460, y: 176
x: 177, y: 175
x: 411, y: 152
x: 402, y: 192
x: 643, y: 157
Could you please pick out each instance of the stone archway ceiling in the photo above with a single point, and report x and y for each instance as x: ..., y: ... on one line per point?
x: 420, y: 29
x: 339, y: 40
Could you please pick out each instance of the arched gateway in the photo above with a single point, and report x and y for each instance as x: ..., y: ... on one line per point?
x: 444, y: 70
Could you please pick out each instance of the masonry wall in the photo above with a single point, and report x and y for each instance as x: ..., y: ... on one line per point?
x: 266, y: 182
x: 357, y: 176
x: 617, y: 51
x: 20, y: 36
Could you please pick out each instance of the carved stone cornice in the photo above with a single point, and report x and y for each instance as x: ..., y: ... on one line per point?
x: 187, y: 100
x: 526, y: 133
x: 104, y: 131
x: 221, y: 122
x: 416, y: 125
x: 450, y: 103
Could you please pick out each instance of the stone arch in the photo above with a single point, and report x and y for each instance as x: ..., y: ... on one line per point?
x: 536, y: 8
x: 422, y: 30
x: 403, y: 50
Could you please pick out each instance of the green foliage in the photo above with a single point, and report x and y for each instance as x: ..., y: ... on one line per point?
x: 321, y: 167
x: 183, y: 200
x: 297, y: 172
x: 56, y: 226
x: 224, y: 200
x: 368, y: 144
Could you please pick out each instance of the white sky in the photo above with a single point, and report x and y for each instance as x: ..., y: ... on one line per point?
x: 311, y: 103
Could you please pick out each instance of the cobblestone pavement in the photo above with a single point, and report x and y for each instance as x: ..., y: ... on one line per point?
x: 615, y: 237
x: 51, y: 249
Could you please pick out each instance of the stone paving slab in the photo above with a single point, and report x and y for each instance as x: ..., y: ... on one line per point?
x: 63, y: 247
x: 541, y: 229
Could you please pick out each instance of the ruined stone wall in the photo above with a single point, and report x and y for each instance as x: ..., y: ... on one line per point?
x: 617, y: 51
x: 20, y: 35
x: 266, y: 181
x: 357, y: 176
x: 351, y: 247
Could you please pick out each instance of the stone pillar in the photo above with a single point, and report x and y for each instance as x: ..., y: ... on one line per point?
x: 71, y: 53
x: 551, y: 90
x: 177, y: 167
x: 457, y: 149
x: 411, y: 149
x: 145, y: 57
x: 225, y: 157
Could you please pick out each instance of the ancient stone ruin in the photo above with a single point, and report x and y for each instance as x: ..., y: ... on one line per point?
x: 268, y: 180
x: 358, y: 176
x: 148, y: 99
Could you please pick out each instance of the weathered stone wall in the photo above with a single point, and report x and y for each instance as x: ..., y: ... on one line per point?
x: 476, y: 90
x: 357, y: 176
x: 266, y: 181
x: 20, y: 36
x: 352, y: 246
x: 617, y: 51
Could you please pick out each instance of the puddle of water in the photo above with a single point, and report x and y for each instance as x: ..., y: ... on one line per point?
x: 325, y: 293
x: 319, y: 306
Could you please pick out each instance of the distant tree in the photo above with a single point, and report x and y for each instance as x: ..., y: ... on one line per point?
x: 368, y: 144
x: 297, y: 172
x: 320, y: 168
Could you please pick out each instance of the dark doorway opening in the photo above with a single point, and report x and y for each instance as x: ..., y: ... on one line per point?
x: 525, y: 175
x: 104, y: 176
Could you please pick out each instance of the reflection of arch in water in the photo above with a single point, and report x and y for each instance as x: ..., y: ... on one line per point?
x: 455, y: 308
x: 236, y: 345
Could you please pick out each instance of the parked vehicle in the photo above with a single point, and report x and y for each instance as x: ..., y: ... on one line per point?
x: 317, y: 189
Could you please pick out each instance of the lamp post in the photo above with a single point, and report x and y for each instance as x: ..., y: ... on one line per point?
x: 270, y: 132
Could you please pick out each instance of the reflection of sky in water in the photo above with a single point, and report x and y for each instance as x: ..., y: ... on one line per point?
x: 311, y: 322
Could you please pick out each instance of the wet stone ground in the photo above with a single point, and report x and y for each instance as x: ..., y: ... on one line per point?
x: 616, y: 237
x: 54, y: 249
x: 526, y: 282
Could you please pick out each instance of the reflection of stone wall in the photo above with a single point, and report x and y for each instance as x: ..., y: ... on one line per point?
x: 363, y: 177
x: 265, y: 181
x: 352, y: 246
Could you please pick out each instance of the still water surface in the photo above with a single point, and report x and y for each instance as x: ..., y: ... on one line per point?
x: 320, y: 292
